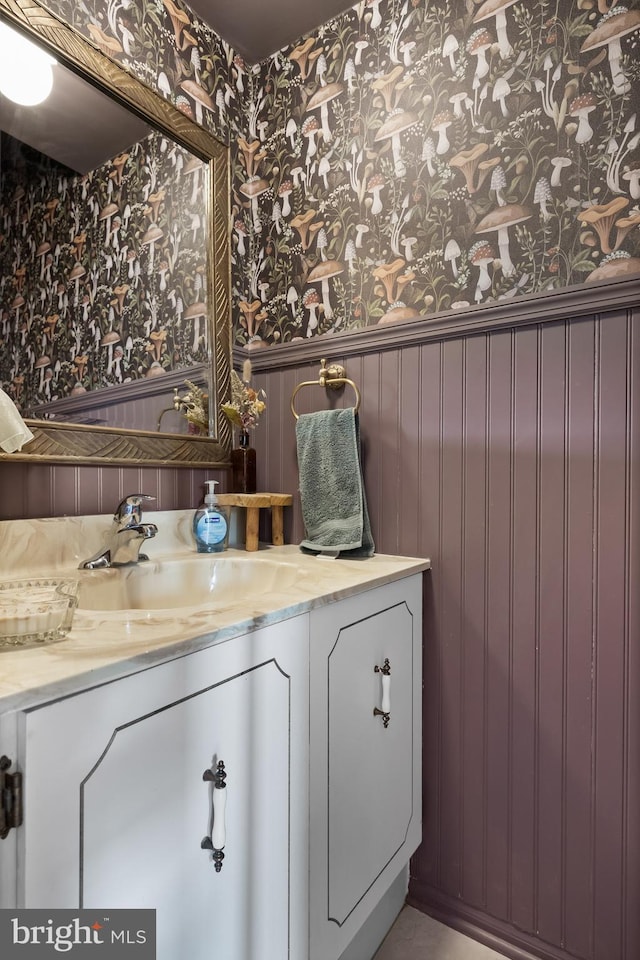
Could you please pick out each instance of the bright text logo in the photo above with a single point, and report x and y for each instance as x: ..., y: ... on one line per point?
x: 31, y: 934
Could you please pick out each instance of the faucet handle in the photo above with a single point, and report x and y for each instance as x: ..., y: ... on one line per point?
x: 130, y: 509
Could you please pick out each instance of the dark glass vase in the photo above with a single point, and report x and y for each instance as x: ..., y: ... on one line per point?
x: 243, y: 466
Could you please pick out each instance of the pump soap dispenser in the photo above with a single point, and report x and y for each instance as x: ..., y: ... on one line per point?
x: 211, y: 523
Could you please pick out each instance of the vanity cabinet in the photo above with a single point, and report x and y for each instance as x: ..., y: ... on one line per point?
x: 365, y: 774
x: 116, y: 806
x: 317, y: 721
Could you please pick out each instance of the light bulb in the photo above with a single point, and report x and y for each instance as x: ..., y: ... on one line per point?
x: 26, y: 76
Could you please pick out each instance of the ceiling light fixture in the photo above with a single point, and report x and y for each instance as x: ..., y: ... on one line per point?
x: 26, y: 76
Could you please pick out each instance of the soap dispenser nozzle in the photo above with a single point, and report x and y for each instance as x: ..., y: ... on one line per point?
x: 210, y: 496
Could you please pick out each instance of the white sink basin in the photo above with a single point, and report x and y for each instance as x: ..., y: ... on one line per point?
x: 188, y: 582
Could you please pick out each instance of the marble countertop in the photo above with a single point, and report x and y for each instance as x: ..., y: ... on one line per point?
x: 105, y: 645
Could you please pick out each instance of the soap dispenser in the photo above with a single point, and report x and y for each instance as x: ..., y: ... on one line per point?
x: 211, y: 523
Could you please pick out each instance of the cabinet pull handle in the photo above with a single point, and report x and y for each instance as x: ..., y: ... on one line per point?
x: 385, y: 676
x: 10, y: 798
x: 218, y: 838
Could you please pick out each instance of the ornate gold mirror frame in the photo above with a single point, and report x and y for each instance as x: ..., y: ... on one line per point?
x: 73, y: 443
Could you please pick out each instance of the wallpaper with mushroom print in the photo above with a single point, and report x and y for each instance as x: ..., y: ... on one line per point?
x: 410, y: 158
x: 102, y: 277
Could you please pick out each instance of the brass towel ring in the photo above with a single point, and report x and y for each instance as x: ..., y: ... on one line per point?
x: 332, y: 377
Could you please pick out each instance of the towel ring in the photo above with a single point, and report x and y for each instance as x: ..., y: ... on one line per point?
x: 332, y: 377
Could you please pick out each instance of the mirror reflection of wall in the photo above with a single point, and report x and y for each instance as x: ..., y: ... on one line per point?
x: 102, y: 258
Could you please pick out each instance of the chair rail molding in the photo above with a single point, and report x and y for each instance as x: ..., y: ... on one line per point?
x: 570, y: 303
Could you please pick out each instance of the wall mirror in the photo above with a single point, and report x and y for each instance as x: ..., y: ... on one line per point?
x: 114, y: 287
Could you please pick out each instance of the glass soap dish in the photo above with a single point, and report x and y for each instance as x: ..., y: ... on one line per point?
x: 36, y: 612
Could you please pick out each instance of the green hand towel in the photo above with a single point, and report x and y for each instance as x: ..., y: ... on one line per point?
x: 334, y: 505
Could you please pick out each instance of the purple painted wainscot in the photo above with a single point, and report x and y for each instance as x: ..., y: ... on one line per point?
x: 508, y: 452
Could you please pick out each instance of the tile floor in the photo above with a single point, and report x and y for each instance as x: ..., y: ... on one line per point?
x: 415, y: 936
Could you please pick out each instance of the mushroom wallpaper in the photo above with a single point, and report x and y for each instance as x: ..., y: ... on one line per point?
x: 102, y: 276
x: 411, y: 158
x: 408, y: 157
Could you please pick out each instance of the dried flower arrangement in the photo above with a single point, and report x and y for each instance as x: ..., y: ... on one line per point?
x: 194, y: 405
x: 246, y: 404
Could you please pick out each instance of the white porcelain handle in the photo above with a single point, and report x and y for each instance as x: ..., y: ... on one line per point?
x: 386, y: 693
x: 385, y: 708
x: 219, y: 832
x: 218, y: 839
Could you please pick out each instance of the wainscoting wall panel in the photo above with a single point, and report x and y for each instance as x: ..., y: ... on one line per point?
x: 36, y: 490
x: 511, y: 458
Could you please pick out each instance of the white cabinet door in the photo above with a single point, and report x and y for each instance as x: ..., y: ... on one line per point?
x: 116, y: 806
x: 367, y: 824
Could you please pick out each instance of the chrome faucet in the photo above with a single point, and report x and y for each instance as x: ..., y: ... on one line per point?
x: 125, y: 536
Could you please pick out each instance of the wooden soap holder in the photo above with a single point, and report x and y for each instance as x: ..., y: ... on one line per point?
x: 252, y: 503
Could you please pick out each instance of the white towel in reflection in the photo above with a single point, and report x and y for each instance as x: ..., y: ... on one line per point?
x: 14, y: 432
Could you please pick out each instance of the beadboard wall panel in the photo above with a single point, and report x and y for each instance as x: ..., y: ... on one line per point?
x: 30, y: 490
x: 511, y: 459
